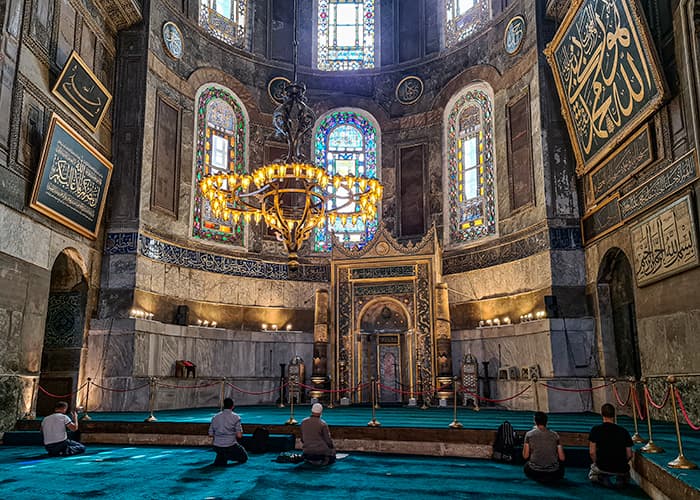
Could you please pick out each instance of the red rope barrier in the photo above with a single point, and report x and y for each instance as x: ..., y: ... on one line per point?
x: 564, y: 389
x: 120, y: 390
x: 480, y: 398
x: 685, y: 413
x: 651, y: 401
x: 335, y: 391
x: 617, y: 396
x: 62, y: 396
x: 253, y: 393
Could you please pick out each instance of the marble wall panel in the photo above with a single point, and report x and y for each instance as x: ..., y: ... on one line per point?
x: 532, y: 273
x: 118, y: 355
x: 568, y: 268
x: 168, y: 355
x: 122, y: 271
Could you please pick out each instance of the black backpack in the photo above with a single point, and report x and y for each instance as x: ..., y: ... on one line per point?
x: 506, y: 441
x: 258, y: 442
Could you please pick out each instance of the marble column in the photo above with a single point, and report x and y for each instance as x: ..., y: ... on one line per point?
x: 319, y: 374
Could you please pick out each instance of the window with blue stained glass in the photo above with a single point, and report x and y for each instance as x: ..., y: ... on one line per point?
x: 345, y: 35
x: 346, y: 144
x: 463, y: 18
x: 225, y: 20
x: 222, y: 133
x: 470, y: 169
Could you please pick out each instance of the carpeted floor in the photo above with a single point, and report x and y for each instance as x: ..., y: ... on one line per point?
x: 27, y: 473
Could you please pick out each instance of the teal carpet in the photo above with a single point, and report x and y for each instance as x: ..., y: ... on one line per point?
x: 26, y: 473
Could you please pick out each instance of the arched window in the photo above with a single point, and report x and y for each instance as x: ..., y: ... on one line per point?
x: 470, y: 191
x: 221, y: 142
x: 345, y: 34
x: 346, y: 144
x: 225, y: 19
x: 464, y: 18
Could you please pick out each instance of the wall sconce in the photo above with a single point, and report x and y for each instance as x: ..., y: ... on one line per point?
x: 213, y: 324
x: 264, y: 327
x: 482, y: 323
x: 506, y: 321
x: 289, y: 327
x: 274, y: 328
x: 496, y: 322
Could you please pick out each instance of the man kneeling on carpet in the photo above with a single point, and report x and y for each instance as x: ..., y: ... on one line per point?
x: 610, y: 447
x: 226, y: 429
x: 53, y: 428
x: 543, y: 452
x: 316, y: 438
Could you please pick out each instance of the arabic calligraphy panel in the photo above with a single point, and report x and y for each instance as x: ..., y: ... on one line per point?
x: 72, y: 182
x: 665, y: 243
x: 606, y: 74
x: 79, y: 89
x: 605, y: 218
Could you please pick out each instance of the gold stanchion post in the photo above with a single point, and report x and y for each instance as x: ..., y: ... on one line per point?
x: 86, y: 416
x: 151, y: 400
x: 292, y: 420
x: 281, y: 403
x: 636, y: 438
x: 650, y: 447
x: 374, y: 422
x: 535, y: 383
x: 680, y: 462
x: 455, y: 423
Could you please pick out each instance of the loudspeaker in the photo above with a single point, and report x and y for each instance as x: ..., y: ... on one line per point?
x: 550, y: 306
x: 182, y: 316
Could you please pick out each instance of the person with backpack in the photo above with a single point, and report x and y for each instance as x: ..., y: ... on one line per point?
x: 543, y: 452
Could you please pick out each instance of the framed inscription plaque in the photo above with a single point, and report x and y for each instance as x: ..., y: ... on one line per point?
x: 72, y: 182
x: 78, y: 88
x: 607, y: 75
x: 666, y: 243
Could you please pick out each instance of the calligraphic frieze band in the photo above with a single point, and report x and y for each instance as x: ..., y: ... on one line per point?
x: 635, y: 154
x: 665, y: 243
x: 382, y: 272
x: 604, y: 219
x: 388, y: 289
x: 674, y: 177
x: 607, y: 75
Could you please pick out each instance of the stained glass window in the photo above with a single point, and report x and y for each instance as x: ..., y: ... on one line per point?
x: 464, y: 18
x: 470, y: 169
x: 222, y: 134
x: 346, y: 143
x: 345, y: 34
x: 225, y: 19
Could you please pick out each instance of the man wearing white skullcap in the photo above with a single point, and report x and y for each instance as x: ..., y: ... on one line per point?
x: 316, y: 438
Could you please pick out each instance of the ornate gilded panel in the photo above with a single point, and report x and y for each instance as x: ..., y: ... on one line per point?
x: 606, y: 73
x: 665, y: 243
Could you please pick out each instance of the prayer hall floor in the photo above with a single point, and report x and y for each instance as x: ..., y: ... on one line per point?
x: 114, y: 472
x: 403, y: 430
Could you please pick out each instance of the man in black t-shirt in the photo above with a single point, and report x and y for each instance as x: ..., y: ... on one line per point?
x: 610, y: 447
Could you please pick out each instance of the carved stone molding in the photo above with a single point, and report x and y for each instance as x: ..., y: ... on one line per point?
x: 556, y: 9
x: 120, y: 14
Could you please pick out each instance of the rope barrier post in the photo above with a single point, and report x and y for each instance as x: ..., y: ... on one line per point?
x: 292, y: 420
x: 86, y: 416
x: 455, y: 423
x: 374, y: 422
x: 650, y: 447
x: 151, y: 399
x: 535, y: 383
x: 221, y: 394
x: 636, y: 438
x: 375, y: 404
x: 680, y: 462
x: 281, y: 403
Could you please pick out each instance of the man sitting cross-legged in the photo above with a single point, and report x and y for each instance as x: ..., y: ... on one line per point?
x: 543, y: 452
x: 226, y: 429
x: 610, y: 447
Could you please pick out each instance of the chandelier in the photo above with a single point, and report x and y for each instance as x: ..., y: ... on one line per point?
x: 291, y: 195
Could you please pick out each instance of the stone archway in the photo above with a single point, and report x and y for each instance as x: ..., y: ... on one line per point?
x: 618, y: 318
x: 385, y: 348
x: 64, y: 331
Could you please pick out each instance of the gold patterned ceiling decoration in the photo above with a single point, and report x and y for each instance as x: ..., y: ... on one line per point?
x: 120, y: 14
x: 385, y: 245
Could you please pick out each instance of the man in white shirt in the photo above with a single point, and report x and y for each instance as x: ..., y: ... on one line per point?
x: 53, y: 429
x: 226, y: 430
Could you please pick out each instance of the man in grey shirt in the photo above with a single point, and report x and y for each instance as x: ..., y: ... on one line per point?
x: 53, y: 429
x: 316, y: 438
x: 226, y: 430
x: 543, y: 452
